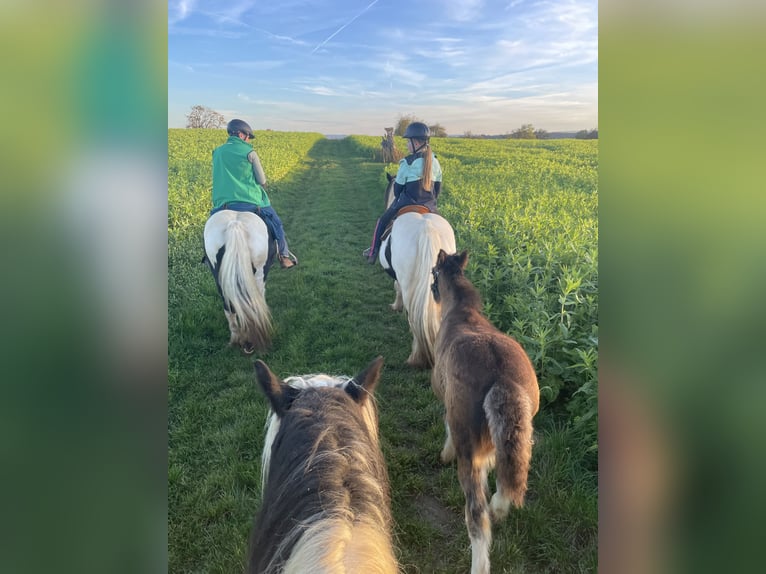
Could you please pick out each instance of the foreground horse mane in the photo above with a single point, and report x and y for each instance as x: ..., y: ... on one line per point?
x: 326, y: 499
x: 490, y: 392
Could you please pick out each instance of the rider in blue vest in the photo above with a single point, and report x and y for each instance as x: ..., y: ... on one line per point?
x: 238, y: 181
x: 418, y: 182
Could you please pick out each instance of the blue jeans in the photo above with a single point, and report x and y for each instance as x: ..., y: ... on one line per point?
x: 269, y: 216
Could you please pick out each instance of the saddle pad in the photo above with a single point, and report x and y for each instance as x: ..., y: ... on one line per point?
x: 416, y: 208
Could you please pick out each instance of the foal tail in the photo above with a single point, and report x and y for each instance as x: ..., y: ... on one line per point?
x: 509, y: 416
x: 241, y: 291
x: 423, y: 313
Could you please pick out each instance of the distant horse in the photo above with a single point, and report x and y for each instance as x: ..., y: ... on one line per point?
x: 239, y: 253
x: 490, y: 392
x: 326, y: 505
x: 408, y: 254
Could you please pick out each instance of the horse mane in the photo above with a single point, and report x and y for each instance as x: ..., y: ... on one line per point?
x: 464, y: 293
x: 326, y: 498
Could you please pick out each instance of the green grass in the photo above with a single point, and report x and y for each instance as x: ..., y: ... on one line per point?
x: 331, y: 315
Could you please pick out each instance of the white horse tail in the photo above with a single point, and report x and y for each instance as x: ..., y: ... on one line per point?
x: 241, y: 291
x: 509, y: 417
x: 423, y: 313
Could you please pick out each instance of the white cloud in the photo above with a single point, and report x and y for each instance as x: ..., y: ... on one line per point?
x: 179, y: 10
x: 463, y: 10
x: 320, y: 90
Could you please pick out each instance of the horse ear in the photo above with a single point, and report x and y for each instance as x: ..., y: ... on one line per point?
x: 365, y: 382
x: 463, y: 259
x: 441, y: 257
x: 272, y: 386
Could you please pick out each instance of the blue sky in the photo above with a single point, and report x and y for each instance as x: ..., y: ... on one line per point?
x: 353, y: 67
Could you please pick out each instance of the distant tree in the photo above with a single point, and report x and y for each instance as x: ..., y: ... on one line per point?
x: 525, y: 132
x: 438, y: 131
x: 468, y: 134
x: 587, y: 135
x: 541, y: 134
x: 403, y: 122
x: 204, y: 117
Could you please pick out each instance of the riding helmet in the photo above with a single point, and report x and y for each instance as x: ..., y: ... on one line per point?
x: 417, y: 130
x: 236, y: 126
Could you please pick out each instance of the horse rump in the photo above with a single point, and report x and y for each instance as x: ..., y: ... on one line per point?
x: 236, y: 248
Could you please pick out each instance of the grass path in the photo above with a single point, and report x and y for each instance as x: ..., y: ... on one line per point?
x: 331, y: 315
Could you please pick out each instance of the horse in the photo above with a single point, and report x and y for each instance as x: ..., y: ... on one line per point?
x: 407, y: 255
x: 326, y: 503
x: 239, y: 252
x: 489, y: 389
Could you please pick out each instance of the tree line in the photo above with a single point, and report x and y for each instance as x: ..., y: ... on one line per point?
x: 204, y: 117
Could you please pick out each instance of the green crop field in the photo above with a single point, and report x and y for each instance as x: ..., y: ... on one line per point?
x: 527, y: 212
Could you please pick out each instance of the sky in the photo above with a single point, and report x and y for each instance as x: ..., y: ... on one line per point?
x: 355, y: 66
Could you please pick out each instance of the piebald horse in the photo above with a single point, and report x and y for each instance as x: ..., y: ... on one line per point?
x: 239, y: 253
x: 408, y: 254
x: 490, y: 393
x: 326, y: 503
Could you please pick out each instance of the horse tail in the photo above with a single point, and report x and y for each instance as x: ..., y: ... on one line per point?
x: 509, y: 416
x: 423, y: 313
x: 240, y: 289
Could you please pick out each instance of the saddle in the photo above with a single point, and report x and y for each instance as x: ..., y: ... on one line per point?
x: 416, y: 208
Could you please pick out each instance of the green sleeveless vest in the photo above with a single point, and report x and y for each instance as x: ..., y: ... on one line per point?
x: 233, y: 178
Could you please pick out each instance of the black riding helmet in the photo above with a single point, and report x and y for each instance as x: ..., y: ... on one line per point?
x: 236, y: 126
x: 418, y: 131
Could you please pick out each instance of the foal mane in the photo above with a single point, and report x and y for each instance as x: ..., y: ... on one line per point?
x: 450, y: 270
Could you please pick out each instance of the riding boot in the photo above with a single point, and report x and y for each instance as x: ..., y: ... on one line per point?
x: 287, y: 261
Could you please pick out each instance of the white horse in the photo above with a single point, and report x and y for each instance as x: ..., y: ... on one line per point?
x: 408, y: 254
x: 239, y: 252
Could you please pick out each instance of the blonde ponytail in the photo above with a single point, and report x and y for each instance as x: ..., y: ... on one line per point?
x: 425, y: 180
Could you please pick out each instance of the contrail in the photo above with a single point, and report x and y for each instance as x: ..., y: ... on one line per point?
x: 344, y: 26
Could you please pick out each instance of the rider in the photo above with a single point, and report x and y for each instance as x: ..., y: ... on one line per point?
x: 238, y: 181
x: 418, y: 182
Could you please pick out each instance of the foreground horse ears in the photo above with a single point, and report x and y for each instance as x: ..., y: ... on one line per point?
x: 272, y: 386
x: 362, y: 385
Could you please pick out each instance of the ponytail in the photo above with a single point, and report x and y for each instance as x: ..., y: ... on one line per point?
x: 425, y: 180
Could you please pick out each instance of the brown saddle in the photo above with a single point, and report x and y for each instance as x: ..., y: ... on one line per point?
x: 416, y: 208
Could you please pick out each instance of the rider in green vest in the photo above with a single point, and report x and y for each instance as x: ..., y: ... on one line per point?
x: 238, y: 181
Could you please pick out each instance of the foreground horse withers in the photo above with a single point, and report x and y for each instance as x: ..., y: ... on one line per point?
x: 490, y: 392
x: 239, y: 252
x: 326, y: 505
x: 408, y: 254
